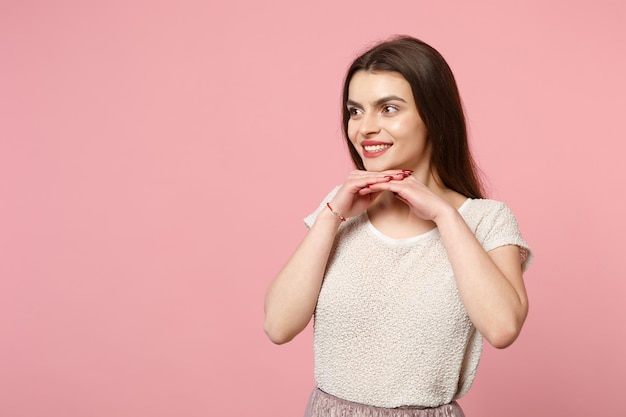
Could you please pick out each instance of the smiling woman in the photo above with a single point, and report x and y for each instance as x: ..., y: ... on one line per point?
x: 384, y: 126
x: 400, y: 333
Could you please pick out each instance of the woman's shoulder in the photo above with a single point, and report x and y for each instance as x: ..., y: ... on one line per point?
x: 484, y: 213
x: 485, y: 210
x: 485, y: 204
x: 494, y: 225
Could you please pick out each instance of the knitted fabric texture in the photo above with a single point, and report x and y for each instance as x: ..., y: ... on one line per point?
x: 390, y: 329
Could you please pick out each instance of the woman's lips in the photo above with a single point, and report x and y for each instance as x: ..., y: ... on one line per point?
x: 374, y: 149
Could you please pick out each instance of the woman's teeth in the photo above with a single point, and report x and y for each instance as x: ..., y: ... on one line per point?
x: 375, y: 148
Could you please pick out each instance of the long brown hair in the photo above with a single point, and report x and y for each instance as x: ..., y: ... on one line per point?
x: 438, y: 102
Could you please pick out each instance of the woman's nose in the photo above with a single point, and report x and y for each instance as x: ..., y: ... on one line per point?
x: 369, y: 124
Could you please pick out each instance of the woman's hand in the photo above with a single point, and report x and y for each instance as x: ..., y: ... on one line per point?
x: 423, y: 202
x: 359, y: 190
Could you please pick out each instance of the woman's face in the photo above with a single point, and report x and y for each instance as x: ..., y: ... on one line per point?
x: 385, y: 126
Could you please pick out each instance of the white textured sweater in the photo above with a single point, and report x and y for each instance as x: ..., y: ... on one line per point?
x: 390, y: 328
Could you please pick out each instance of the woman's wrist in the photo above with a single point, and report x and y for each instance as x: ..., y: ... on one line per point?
x: 329, y: 217
x: 335, y: 212
x: 447, y: 214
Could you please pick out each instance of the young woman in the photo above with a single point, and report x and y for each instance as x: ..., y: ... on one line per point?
x: 406, y: 267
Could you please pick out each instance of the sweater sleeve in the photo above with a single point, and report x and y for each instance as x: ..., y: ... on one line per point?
x: 501, y: 229
x: 310, y: 219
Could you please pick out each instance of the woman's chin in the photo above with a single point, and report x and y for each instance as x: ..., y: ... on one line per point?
x: 377, y: 167
x: 373, y: 165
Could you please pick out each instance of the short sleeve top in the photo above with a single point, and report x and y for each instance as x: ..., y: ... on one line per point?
x: 390, y: 328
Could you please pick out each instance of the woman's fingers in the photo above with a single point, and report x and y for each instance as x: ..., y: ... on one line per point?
x: 377, y: 176
x: 422, y: 201
x: 355, y: 195
x: 380, y: 177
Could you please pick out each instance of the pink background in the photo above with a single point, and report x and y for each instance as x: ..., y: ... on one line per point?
x: 157, y: 159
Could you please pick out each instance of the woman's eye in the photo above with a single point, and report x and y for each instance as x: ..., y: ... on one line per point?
x: 354, y: 111
x: 390, y: 109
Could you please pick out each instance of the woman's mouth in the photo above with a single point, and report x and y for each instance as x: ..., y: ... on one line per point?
x: 371, y: 151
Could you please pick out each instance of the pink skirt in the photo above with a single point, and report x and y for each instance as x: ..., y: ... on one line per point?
x: 322, y: 404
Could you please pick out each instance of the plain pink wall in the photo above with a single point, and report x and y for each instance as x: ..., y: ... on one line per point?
x: 157, y: 159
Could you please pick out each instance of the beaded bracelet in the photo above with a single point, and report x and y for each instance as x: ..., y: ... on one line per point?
x: 343, y: 219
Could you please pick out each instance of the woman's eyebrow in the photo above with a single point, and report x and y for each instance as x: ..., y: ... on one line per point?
x: 377, y: 102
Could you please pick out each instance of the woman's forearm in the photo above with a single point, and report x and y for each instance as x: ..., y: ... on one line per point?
x: 490, y: 284
x: 292, y: 296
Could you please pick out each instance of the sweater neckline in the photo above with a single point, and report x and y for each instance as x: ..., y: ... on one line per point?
x: 412, y: 239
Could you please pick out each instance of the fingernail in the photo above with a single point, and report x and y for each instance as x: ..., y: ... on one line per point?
x: 388, y: 176
x: 405, y: 171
